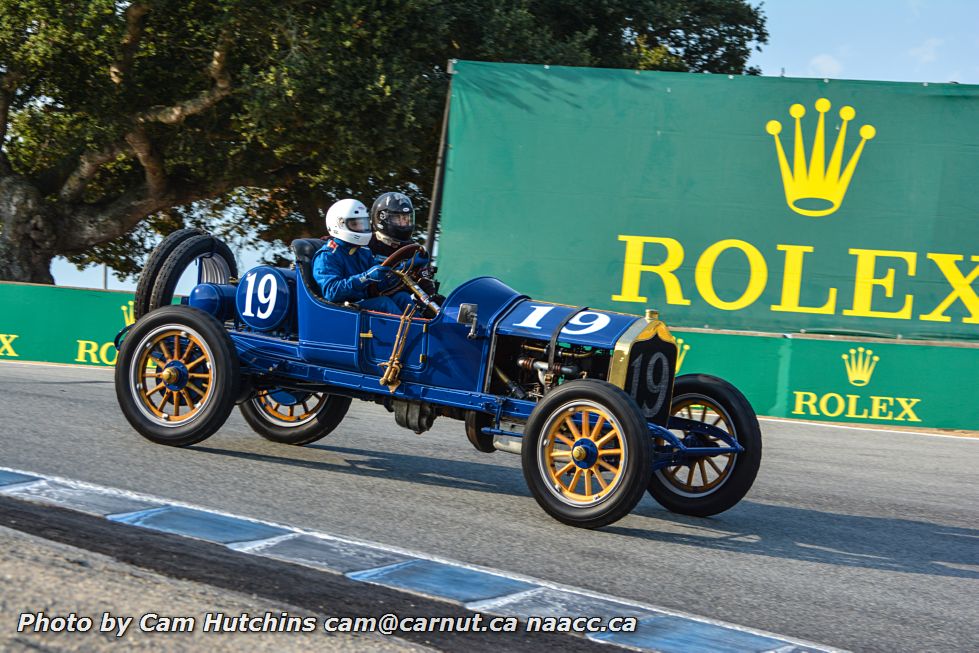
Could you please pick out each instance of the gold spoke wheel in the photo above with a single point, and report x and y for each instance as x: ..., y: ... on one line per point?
x: 587, y: 453
x: 704, y: 473
x: 173, y: 374
x: 177, y: 376
x: 582, y: 453
x: 294, y: 414
x: 706, y: 485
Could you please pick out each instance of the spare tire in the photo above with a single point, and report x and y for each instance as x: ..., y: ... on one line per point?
x: 151, y: 269
x: 216, y: 260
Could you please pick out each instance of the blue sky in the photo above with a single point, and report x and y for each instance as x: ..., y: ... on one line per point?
x: 896, y: 40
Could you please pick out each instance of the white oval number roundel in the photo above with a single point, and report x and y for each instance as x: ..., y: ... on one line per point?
x: 267, y: 287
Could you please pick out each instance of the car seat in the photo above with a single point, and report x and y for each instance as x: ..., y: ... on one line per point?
x: 305, y: 249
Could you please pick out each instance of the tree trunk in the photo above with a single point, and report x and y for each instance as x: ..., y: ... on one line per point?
x: 35, y: 229
x: 28, y: 232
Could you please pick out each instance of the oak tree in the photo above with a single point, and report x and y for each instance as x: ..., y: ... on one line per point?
x: 122, y: 120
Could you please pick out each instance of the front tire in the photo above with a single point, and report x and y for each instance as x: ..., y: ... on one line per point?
x: 177, y: 376
x: 587, y: 453
x: 295, y: 418
x: 708, y: 485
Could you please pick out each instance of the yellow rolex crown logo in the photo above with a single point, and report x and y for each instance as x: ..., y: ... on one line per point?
x: 817, y: 189
x: 128, y: 314
x: 860, y: 364
x: 681, y: 352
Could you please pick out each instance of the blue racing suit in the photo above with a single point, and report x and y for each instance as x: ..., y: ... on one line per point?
x: 339, y: 268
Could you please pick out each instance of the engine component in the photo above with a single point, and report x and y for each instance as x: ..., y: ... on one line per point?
x: 522, y: 369
x: 542, y: 366
x: 563, y: 353
x: 414, y: 415
x: 515, y: 389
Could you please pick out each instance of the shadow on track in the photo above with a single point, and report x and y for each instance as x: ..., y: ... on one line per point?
x: 426, y: 470
x: 887, y: 544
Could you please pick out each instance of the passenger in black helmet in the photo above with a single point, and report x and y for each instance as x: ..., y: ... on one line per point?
x: 393, y: 222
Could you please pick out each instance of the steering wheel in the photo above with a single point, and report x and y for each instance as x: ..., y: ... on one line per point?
x: 405, y: 279
x: 402, y: 254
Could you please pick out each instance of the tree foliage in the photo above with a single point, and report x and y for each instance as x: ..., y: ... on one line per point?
x: 122, y: 120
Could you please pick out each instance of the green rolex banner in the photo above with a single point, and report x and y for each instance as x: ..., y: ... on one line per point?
x: 893, y: 384
x: 734, y: 202
x: 61, y: 325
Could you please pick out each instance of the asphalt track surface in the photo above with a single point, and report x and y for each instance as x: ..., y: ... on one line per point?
x: 860, y: 539
x: 309, y: 590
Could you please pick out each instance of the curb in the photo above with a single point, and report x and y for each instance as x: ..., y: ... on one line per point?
x: 474, y: 588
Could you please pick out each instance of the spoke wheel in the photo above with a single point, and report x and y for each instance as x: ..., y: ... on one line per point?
x: 703, y: 474
x: 172, y: 375
x: 583, y: 453
x: 707, y: 485
x: 587, y: 453
x: 177, y: 376
x: 294, y: 417
x: 291, y: 411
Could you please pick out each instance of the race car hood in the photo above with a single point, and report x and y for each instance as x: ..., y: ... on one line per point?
x: 579, y: 325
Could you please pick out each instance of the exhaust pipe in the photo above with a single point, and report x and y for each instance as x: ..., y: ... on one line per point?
x: 508, y: 444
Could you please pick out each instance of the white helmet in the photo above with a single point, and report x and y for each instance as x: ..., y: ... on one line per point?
x: 348, y: 220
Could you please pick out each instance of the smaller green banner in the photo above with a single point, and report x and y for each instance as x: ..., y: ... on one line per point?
x: 61, y: 325
x: 901, y: 385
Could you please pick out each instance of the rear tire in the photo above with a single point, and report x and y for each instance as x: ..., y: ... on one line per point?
x: 708, y: 398
x: 608, y: 479
x: 175, y: 358
x: 475, y: 421
x: 270, y: 420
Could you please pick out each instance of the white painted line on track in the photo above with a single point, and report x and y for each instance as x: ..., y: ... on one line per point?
x: 50, y: 364
x: 255, y: 547
x: 969, y: 436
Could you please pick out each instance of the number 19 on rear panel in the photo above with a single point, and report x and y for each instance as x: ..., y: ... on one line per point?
x: 263, y: 298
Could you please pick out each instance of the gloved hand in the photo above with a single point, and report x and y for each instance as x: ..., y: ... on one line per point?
x: 392, y: 281
x: 377, y: 274
x: 418, y: 261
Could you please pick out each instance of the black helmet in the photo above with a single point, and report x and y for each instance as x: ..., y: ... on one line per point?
x: 393, y: 218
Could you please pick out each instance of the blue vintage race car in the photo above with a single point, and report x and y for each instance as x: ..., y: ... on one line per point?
x: 588, y: 397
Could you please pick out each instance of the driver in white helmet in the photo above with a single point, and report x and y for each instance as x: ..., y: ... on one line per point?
x: 344, y: 269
